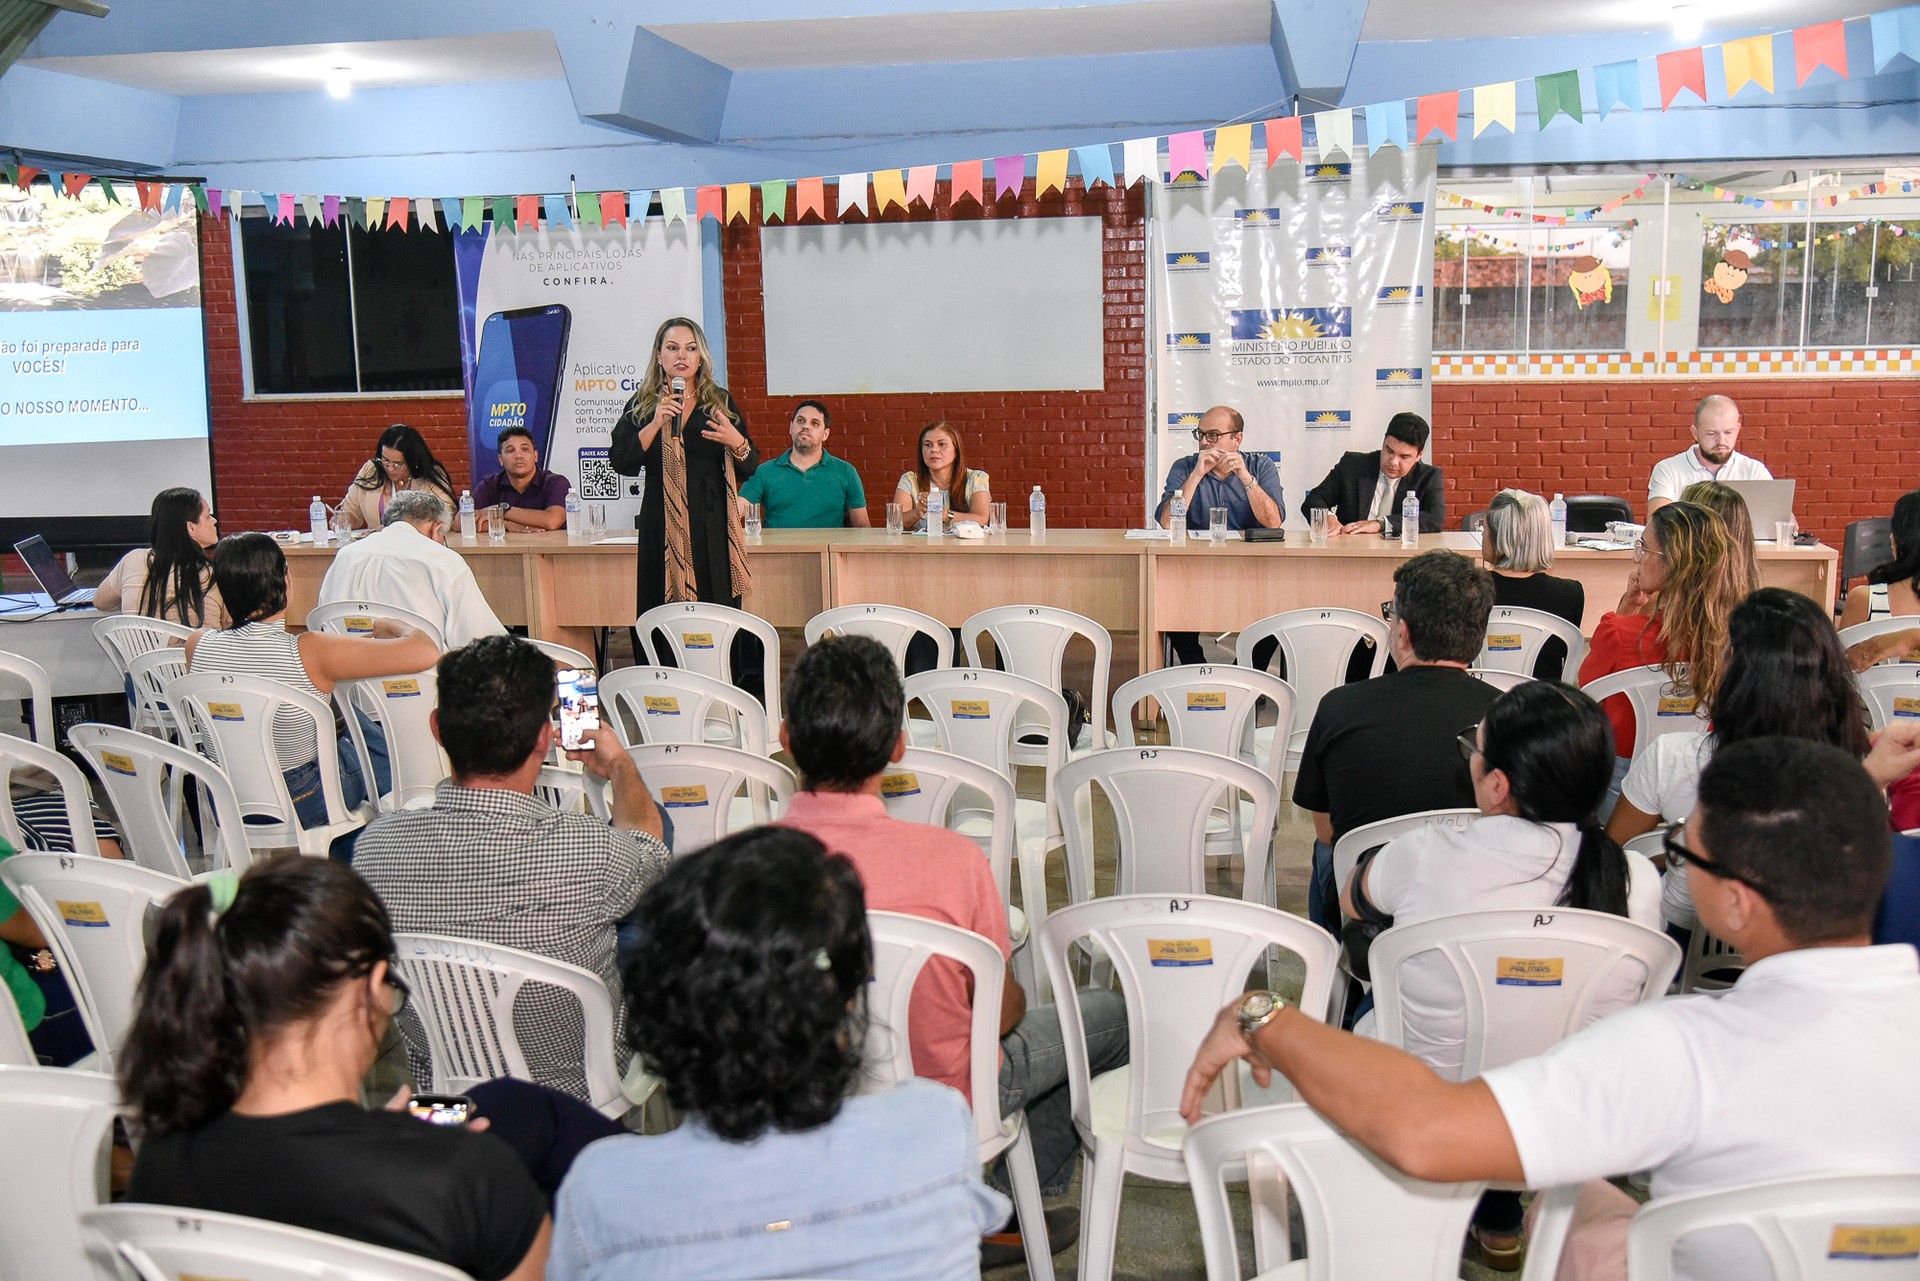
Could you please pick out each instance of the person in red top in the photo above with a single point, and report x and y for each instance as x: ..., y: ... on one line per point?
x: 1686, y: 580
x: 845, y: 718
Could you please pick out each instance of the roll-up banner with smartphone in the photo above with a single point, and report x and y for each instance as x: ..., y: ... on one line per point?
x: 556, y: 330
x: 1297, y: 295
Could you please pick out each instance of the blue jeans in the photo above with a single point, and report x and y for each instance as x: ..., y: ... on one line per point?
x: 1033, y: 1076
x: 1323, y: 896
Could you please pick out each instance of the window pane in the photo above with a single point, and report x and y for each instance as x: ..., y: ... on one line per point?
x: 1837, y: 299
x: 1495, y: 318
x: 298, y: 326
x: 1752, y: 288
x: 1449, y: 280
x: 1579, y: 290
x: 1894, y: 318
x: 409, y: 311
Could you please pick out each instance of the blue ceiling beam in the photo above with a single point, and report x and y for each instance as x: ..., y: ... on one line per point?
x: 628, y: 78
x: 1314, y: 43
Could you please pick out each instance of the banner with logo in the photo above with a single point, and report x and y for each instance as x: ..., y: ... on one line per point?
x: 557, y: 327
x: 1297, y: 295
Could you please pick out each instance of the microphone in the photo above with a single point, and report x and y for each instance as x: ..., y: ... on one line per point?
x: 679, y: 390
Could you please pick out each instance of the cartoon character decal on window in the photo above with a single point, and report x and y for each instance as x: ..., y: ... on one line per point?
x: 1729, y: 274
x: 1590, y: 281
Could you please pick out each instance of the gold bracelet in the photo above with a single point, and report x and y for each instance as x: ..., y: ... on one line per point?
x: 740, y: 452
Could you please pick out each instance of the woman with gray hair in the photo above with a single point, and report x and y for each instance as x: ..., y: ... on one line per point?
x: 1517, y: 546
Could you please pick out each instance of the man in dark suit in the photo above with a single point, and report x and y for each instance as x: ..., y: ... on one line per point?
x: 1364, y: 490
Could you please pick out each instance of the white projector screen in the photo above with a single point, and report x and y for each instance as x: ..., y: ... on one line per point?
x: 1001, y: 304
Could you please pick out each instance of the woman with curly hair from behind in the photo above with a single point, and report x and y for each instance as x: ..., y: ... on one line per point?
x: 747, y: 997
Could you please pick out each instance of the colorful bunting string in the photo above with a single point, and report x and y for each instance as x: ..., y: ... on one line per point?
x: 1553, y: 220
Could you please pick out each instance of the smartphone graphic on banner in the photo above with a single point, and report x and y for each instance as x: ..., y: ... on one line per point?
x: 516, y: 380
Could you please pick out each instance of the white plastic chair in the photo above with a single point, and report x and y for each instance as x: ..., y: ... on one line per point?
x: 572, y: 790
x: 1851, y: 636
x: 1162, y: 798
x: 150, y: 673
x: 17, y: 755
x: 464, y: 992
x: 1347, y: 850
x: 1031, y: 641
x: 902, y: 946
x: 1659, y: 706
x: 1317, y: 644
x: 1364, y: 1220
x: 126, y: 637
x: 1819, y: 1228
x: 56, y: 1123
x: 145, y: 778
x: 1711, y: 965
x: 700, y: 638
x: 403, y: 707
x: 93, y: 912
x: 16, y: 1049
x: 893, y: 626
x: 1516, y: 635
x: 166, y: 1243
x: 1179, y: 960
x: 355, y: 618
x: 1502, y: 681
x: 675, y: 705
x: 697, y: 785
x: 564, y: 655
x: 232, y: 718
x: 1891, y: 692
x: 17, y: 672
x: 1529, y: 977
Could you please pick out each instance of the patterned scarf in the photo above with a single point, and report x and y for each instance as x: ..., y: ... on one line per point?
x: 681, y: 580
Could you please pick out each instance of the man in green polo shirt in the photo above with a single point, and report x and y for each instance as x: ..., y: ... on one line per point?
x: 806, y: 487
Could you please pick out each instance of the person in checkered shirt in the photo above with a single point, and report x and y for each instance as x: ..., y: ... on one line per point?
x: 492, y: 863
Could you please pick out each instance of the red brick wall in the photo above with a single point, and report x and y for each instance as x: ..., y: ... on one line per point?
x: 270, y: 457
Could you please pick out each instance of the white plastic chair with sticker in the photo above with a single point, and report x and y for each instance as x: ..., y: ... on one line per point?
x: 355, y: 618
x: 564, y: 655
x: 1031, y: 641
x: 1891, y: 693
x: 1178, y: 961
x: 58, y: 1124
x: 893, y: 626
x: 126, y: 637
x: 699, y: 636
x: 18, y: 676
x: 709, y: 791
x: 1833, y: 1227
x: 1317, y: 645
x: 1659, y: 706
x: 93, y: 912
x: 403, y: 707
x: 165, y: 1243
x: 145, y: 778
x: 150, y: 673
x: 1851, y: 636
x: 18, y: 756
x: 1502, y: 681
x: 674, y: 705
x: 572, y: 790
x: 1516, y: 635
x: 1348, y: 849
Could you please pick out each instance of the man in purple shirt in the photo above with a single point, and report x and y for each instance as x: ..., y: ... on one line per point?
x: 535, y: 498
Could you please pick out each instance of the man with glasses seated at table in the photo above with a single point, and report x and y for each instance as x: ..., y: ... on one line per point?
x: 1219, y: 475
x: 1365, y: 489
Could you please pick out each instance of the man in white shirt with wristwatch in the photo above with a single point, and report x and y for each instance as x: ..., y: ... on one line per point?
x: 1712, y: 456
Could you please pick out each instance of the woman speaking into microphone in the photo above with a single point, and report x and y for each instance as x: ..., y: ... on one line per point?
x: 690, y: 436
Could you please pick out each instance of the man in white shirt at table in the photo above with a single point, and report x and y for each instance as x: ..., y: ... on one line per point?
x: 1712, y: 456
x: 1805, y: 1067
x: 409, y: 566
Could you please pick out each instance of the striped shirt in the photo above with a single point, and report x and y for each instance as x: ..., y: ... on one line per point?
x: 266, y: 650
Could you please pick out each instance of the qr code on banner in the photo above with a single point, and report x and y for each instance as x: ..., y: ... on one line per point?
x: 598, y: 479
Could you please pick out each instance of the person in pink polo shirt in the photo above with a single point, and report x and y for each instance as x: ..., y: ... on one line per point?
x: 845, y: 726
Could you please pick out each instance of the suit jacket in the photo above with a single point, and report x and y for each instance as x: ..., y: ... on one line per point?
x: 1348, y: 490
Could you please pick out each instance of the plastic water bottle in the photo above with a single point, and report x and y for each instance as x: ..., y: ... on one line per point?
x: 1177, y: 516
x: 1037, y: 514
x: 317, y: 521
x: 1558, y: 510
x: 936, y: 513
x: 1410, y: 520
x: 469, y: 523
x: 573, y: 514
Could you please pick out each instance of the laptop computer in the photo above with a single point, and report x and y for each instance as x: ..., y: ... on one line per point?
x: 1768, y: 503
x: 51, y: 574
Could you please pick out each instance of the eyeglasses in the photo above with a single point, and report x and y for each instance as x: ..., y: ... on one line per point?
x: 1678, y: 855
x: 1386, y: 611
x: 1641, y: 551
x: 1212, y: 438
x: 1468, y: 740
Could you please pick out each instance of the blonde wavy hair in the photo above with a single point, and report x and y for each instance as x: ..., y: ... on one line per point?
x: 1705, y: 580
x: 1726, y: 503
x: 708, y: 394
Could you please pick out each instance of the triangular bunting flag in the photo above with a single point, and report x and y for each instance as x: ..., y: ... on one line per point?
x: 1616, y: 84
x: 473, y: 212
x: 113, y: 197
x: 149, y: 192
x: 639, y: 205
x: 1233, y: 145
x: 1284, y: 139
x: 853, y: 193
x: 216, y: 201
x: 1493, y: 105
x: 310, y: 210
x: 1096, y: 165
x: 969, y: 181
x: 739, y: 202
x: 613, y: 208
x: 12, y: 172
x: 920, y: 184
x: 1437, y: 113
x: 1746, y: 62
x: 453, y: 212
x: 199, y: 195
x: 426, y: 214
x: 504, y: 208
x: 1187, y: 153
x: 1050, y: 173
x: 1009, y: 175
x: 1681, y: 69
x: 587, y: 205
x: 1819, y: 46
x: 889, y: 188
x: 1333, y: 132
x: 773, y: 200
x: 283, y: 214
x: 1386, y: 125
x: 396, y: 213
x: 709, y: 202
x: 1896, y: 33
x: 56, y: 180
x: 27, y: 173
x: 74, y: 183
x: 526, y: 212
x: 1557, y: 94
x: 673, y: 204
x: 171, y: 203
x: 1139, y: 158
x: 329, y: 210
x: 558, y: 215
x: 372, y: 212
x: 810, y: 197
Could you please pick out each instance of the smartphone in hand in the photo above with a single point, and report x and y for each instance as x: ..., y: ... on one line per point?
x: 441, y: 1109
x: 579, y: 707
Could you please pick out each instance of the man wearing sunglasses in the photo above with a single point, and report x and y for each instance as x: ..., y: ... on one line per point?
x: 1804, y: 1067
x: 1219, y: 475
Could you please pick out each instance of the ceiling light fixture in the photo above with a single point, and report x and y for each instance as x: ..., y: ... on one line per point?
x: 1687, y: 22
x: 340, y: 82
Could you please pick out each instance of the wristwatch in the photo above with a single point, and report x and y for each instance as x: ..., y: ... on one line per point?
x: 1257, y: 1009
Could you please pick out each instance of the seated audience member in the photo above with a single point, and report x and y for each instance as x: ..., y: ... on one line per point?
x: 491, y: 862
x: 1895, y: 759
x: 401, y: 461
x: 1804, y: 1067
x: 1247, y: 486
x: 35, y: 985
x: 942, y: 465
x: 251, y: 571
x: 1893, y: 589
x: 1517, y: 548
x: 1686, y: 581
x: 535, y: 498
x: 1726, y: 503
x: 1364, y: 490
x: 263, y: 1006
x: 1385, y: 747
x: 1541, y: 760
x: 844, y: 711
x: 1712, y: 456
x: 409, y: 566
x: 807, y: 487
x: 1785, y: 675
x: 171, y: 577
x: 780, y: 1168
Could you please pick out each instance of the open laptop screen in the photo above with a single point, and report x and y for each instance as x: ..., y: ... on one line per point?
x: 44, y: 566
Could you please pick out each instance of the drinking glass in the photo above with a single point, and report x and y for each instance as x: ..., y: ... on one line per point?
x: 342, y: 527
x: 596, y: 521
x: 1217, y: 525
x: 1319, y: 520
x: 997, y: 518
x: 895, y: 521
x: 1784, y: 532
x: 753, y: 522
x: 497, y: 523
